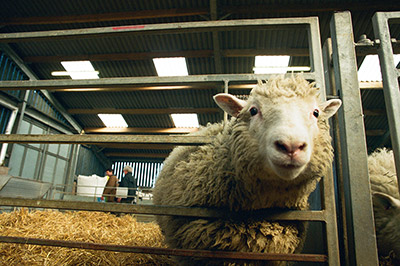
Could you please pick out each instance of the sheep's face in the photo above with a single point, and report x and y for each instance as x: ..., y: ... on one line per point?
x: 283, y: 127
x: 285, y: 130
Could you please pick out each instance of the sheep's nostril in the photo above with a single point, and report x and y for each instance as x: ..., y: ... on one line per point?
x: 302, y: 146
x: 290, y: 148
x: 280, y: 146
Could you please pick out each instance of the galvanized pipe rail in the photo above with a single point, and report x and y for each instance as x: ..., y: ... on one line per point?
x: 310, y: 24
x: 210, y: 213
x: 228, y: 255
x: 106, y: 139
x: 271, y: 214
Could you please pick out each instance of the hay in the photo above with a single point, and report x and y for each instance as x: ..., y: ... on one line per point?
x: 93, y: 227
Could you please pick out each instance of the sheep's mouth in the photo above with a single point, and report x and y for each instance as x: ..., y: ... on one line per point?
x: 288, y: 166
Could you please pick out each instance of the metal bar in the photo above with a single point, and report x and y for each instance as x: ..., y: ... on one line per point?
x: 390, y: 81
x: 328, y: 203
x: 105, y: 138
x: 314, y: 40
x: 167, y: 28
x: 167, y: 251
x: 331, y: 89
x: 361, y: 230
x: 130, y: 81
x: 270, y: 214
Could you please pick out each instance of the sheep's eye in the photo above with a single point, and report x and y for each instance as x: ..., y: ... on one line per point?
x: 316, y: 113
x: 253, y: 111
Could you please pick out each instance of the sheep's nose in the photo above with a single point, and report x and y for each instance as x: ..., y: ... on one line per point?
x: 290, y: 148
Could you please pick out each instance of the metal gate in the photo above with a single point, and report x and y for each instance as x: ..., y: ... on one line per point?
x: 350, y: 141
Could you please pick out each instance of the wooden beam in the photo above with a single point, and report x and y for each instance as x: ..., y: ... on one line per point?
x: 99, y: 139
x: 150, y: 55
x: 375, y: 132
x: 129, y: 130
x: 374, y: 112
x: 371, y: 85
x: 384, y: 5
x: 116, y: 16
x: 137, y: 146
x: 144, y: 111
x: 136, y: 155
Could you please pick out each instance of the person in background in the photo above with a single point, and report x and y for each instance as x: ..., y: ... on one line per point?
x: 130, y: 182
x: 110, y: 188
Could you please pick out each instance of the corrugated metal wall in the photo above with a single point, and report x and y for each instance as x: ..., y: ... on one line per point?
x: 145, y: 172
x: 88, y: 163
x: 5, y: 114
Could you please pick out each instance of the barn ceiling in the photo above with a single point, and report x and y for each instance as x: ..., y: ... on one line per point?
x: 147, y: 108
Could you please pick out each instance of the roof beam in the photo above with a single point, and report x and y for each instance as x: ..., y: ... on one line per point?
x: 166, y: 28
x: 384, y: 5
x: 87, y: 18
x: 143, y: 111
x: 151, y: 55
x: 136, y: 130
x: 137, y: 146
x: 130, y: 82
x: 136, y: 155
x: 179, y: 12
x: 99, y: 139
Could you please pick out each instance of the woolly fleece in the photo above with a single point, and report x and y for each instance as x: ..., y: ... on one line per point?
x: 382, y: 173
x: 229, y: 173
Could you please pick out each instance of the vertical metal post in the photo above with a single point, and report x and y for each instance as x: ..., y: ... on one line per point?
x: 362, y: 244
x: 331, y: 90
x: 390, y: 81
x: 314, y: 39
x: 226, y: 90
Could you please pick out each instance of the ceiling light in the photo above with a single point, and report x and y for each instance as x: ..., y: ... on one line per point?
x: 173, y: 66
x: 78, y: 70
x: 185, y: 120
x: 275, y: 64
x: 113, y: 120
x: 370, y: 69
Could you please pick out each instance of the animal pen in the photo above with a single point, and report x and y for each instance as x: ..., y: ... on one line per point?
x: 333, y: 68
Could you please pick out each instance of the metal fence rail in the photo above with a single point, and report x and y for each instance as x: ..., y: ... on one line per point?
x: 327, y: 215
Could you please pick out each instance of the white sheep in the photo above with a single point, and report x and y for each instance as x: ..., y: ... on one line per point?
x: 272, y: 153
x: 386, y: 201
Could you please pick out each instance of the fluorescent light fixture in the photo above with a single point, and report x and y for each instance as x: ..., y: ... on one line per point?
x: 266, y: 64
x: 185, y: 120
x: 78, y: 70
x: 68, y: 73
x: 172, y: 66
x: 370, y: 69
x: 113, y: 120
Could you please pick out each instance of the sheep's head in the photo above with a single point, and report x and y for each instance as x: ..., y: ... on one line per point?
x: 387, y: 221
x: 282, y: 116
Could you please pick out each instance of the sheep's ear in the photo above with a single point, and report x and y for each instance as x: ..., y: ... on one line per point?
x: 330, y: 107
x: 229, y: 103
x: 385, y: 201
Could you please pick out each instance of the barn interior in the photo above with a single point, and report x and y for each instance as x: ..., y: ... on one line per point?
x: 122, y: 42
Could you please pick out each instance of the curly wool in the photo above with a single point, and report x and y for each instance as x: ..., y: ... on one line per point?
x: 383, y: 178
x: 382, y: 172
x: 229, y: 173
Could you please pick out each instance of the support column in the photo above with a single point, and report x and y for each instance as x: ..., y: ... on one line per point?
x: 359, y: 214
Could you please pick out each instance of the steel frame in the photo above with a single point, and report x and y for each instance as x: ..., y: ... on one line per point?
x: 327, y: 215
x: 357, y: 215
x: 390, y: 80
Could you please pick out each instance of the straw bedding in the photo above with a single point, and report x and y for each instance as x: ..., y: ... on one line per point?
x: 93, y: 227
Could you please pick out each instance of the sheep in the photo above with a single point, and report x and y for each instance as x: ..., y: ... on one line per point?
x: 272, y: 153
x: 386, y: 202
